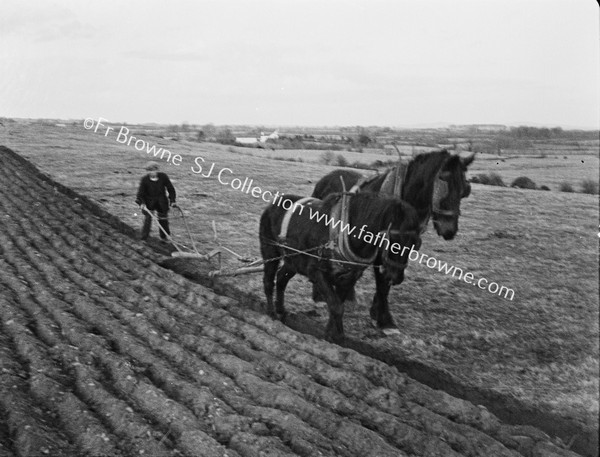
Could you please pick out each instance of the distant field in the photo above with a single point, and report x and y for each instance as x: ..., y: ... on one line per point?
x: 541, y: 347
x: 550, y: 171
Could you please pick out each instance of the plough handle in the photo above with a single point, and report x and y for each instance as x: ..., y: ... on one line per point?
x: 187, y: 228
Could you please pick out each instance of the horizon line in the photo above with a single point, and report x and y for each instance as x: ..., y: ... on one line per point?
x: 417, y: 126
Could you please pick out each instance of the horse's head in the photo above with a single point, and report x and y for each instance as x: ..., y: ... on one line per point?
x: 404, y: 235
x: 449, y: 188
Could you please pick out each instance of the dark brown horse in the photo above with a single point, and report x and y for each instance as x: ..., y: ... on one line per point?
x: 331, y: 242
x: 433, y: 183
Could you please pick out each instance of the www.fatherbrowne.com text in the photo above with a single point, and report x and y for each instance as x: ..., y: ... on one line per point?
x: 246, y: 186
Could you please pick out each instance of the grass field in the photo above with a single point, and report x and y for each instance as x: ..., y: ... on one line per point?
x: 540, y: 347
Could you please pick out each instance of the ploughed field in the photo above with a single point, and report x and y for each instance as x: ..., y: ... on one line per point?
x: 103, y: 352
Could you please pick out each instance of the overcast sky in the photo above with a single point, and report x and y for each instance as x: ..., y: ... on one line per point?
x: 303, y: 62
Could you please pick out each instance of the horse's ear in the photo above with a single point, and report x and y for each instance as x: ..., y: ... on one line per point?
x: 466, y: 161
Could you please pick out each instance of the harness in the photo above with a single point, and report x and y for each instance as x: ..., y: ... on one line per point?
x: 338, y: 243
x: 285, y: 223
x: 393, y: 182
x: 339, y: 237
x: 363, y: 181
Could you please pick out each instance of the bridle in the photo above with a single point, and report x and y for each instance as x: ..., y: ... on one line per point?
x: 440, y: 191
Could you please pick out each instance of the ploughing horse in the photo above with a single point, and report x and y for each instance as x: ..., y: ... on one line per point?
x: 433, y: 183
x: 334, y: 254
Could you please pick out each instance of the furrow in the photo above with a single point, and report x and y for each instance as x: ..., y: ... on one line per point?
x: 462, y: 438
x: 136, y: 435
x: 187, y: 437
x: 278, y: 371
x: 83, y: 428
x: 99, y: 401
x: 60, y: 262
x: 30, y: 430
x: 393, y: 389
x: 199, y: 370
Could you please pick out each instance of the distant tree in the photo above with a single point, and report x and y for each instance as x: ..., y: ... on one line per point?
x: 523, y: 182
x: 566, y: 187
x: 341, y: 161
x: 209, y: 130
x: 225, y: 136
x: 589, y: 186
x: 364, y: 139
x: 493, y: 179
x: 327, y: 157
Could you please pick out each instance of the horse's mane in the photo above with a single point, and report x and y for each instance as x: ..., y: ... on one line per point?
x: 454, y: 164
x: 420, y: 177
x: 373, y: 207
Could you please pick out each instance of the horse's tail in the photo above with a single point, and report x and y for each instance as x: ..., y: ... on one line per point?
x: 267, y: 238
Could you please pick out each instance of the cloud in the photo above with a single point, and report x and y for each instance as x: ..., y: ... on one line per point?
x: 42, y: 23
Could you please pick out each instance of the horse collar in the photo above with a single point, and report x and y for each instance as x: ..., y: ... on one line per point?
x: 339, y: 236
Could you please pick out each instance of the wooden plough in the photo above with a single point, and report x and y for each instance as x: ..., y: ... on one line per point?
x: 183, y: 251
x: 253, y: 265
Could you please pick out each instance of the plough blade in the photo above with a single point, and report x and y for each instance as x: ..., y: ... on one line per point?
x: 196, y: 255
x: 192, y: 255
x: 239, y: 271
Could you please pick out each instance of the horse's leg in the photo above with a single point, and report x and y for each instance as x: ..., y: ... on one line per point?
x: 316, y: 294
x: 283, y: 276
x: 345, y: 292
x: 349, y: 296
x: 269, y: 272
x: 270, y: 254
x: 380, y: 310
x: 335, y: 325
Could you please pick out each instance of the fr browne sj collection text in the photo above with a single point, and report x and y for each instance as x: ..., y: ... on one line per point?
x: 200, y: 167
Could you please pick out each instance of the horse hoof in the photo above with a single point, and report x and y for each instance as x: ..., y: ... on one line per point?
x: 390, y: 331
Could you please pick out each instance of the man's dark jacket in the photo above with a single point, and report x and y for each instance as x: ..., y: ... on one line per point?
x: 152, y: 193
